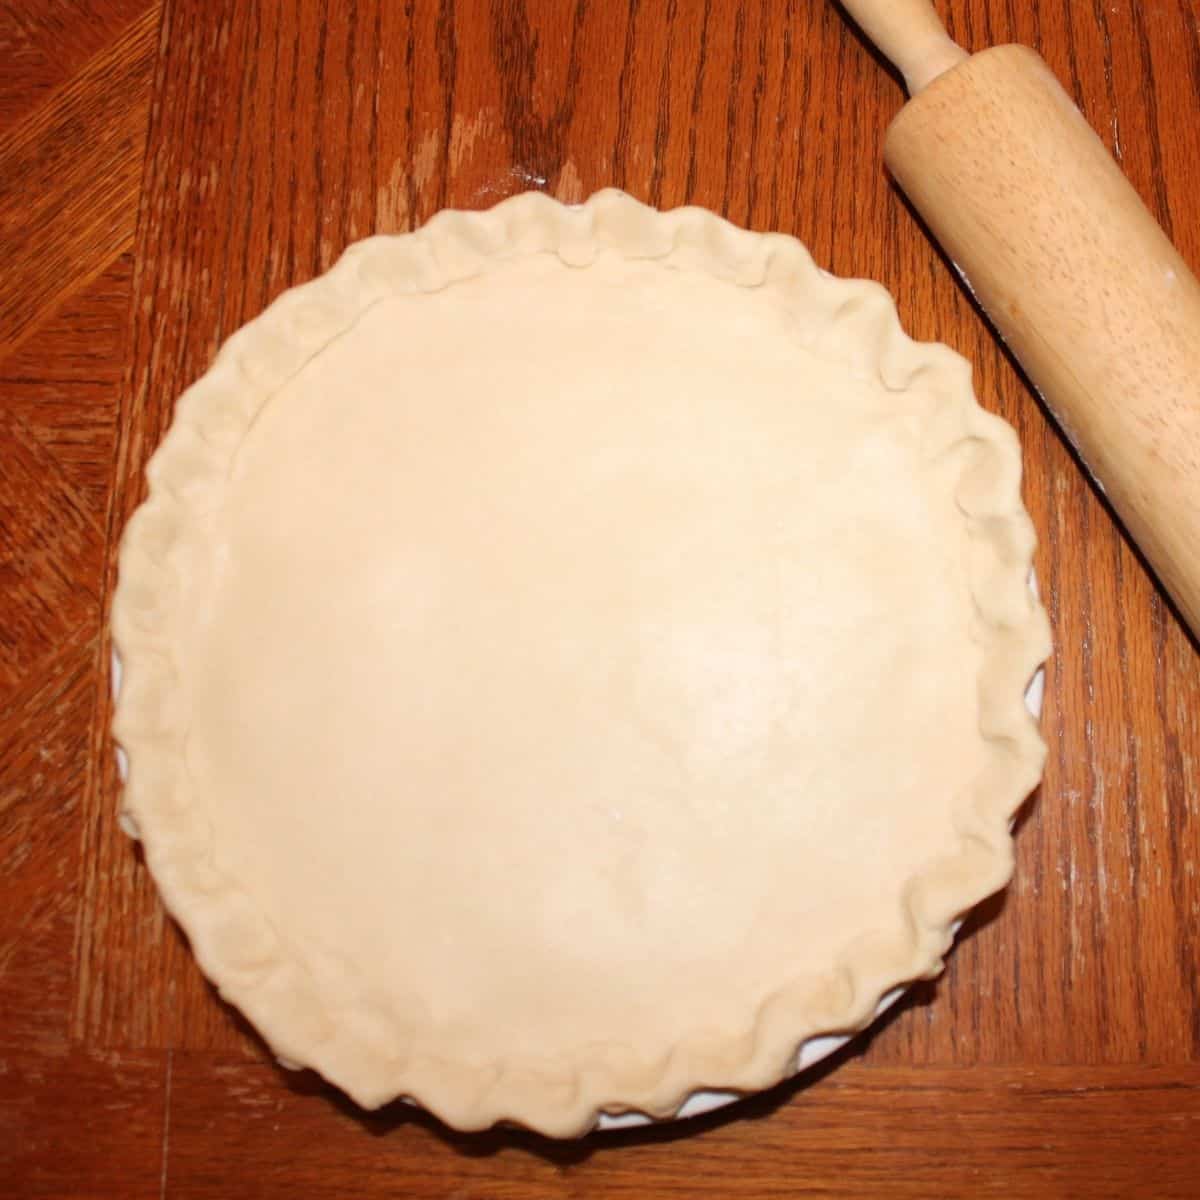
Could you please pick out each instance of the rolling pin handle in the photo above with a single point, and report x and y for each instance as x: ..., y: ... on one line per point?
x: 911, y: 35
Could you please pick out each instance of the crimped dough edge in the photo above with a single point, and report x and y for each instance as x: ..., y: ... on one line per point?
x: 852, y: 320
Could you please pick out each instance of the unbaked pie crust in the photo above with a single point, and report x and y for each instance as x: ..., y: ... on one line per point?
x: 572, y: 656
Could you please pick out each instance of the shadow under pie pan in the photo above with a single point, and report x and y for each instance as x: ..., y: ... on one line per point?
x: 574, y: 664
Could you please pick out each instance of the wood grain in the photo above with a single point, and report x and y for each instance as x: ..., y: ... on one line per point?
x: 63, y: 385
x: 44, y: 760
x: 79, y: 1122
x: 43, y: 46
x: 56, y: 454
x: 69, y: 179
x: 865, y: 1131
x: 1059, y: 1054
x: 50, y: 550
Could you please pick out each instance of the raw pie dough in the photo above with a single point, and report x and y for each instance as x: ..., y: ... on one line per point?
x: 571, y: 657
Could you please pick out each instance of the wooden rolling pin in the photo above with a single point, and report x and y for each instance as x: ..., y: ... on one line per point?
x: 1067, y: 262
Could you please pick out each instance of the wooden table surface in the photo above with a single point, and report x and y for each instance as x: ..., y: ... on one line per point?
x: 166, y: 169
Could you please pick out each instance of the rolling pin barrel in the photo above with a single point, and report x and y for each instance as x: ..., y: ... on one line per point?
x: 1067, y: 262
x: 1079, y: 279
